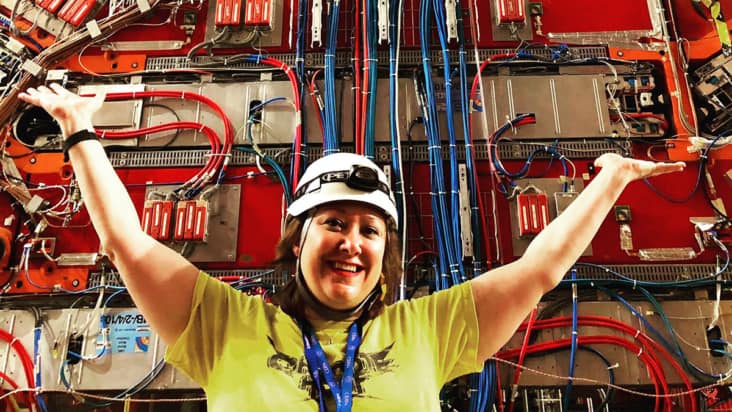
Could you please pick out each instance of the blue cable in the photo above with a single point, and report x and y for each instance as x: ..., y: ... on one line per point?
x: 37, y: 367
x: 711, y: 279
x: 703, y: 158
x: 330, y: 138
x: 302, y: 21
x: 6, y: 22
x: 573, y: 346
x: 112, y: 296
x: 452, y: 142
x: 442, y: 227
x: 278, y: 170
x: 675, y: 349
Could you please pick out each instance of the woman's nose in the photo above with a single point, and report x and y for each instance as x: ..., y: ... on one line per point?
x: 351, y: 242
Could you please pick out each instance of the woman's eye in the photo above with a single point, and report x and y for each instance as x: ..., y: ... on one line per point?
x: 334, y: 223
x: 371, y: 231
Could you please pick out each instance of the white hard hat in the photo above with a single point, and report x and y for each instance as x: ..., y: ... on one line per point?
x: 343, y: 176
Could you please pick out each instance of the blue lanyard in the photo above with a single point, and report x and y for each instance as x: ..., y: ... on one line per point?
x: 318, y: 364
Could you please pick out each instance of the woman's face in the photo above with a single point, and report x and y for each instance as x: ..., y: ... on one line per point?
x: 341, y: 259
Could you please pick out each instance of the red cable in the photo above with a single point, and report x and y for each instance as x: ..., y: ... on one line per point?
x: 520, y: 362
x: 228, y: 128
x: 600, y: 321
x: 25, y: 360
x: 206, y: 173
x: 6, y: 378
x: 313, y: 89
x: 655, y: 371
x: 221, y: 159
x: 722, y: 406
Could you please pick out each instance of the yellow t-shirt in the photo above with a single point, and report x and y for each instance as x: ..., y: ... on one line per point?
x: 248, y: 355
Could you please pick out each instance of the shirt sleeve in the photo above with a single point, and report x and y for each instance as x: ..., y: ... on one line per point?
x: 214, y: 306
x: 453, y: 324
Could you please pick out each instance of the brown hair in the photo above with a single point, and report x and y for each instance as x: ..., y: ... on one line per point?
x: 289, y: 298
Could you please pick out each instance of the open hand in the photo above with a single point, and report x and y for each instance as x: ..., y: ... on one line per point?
x: 71, y: 111
x: 634, y: 169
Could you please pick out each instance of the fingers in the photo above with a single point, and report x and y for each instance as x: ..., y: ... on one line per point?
x: 662, y: 168
x: 29, y: 96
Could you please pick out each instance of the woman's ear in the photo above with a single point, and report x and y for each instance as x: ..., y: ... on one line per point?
x: 296, y: 250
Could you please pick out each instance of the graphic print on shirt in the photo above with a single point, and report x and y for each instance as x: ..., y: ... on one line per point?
x: 366, y: 366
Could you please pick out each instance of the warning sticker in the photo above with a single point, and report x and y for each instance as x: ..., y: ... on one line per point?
x: 128, y: 332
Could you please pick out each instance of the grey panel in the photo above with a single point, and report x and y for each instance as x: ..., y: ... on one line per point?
x: 550, y: 187
x: 223, y: 227
x: 566, y: 106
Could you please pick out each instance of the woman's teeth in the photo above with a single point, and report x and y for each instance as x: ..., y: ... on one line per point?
x: 345, y: 266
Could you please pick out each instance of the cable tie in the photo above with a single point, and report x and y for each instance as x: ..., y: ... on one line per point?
x: 613, y: 366
x: 574, y: 332
x: 640, y: 352
x: 635, y: 283
x: 637, y: 333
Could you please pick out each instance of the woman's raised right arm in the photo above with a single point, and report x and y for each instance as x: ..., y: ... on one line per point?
x: 159, y: 280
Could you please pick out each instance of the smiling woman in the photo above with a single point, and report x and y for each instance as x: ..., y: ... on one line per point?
x: 349, y: 246
x: 341, y: 242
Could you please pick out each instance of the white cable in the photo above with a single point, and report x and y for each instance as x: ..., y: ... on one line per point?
x: 403, y: 281
x: 699, y: 143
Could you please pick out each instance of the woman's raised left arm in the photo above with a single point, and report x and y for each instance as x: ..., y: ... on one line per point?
x: 505, y: 295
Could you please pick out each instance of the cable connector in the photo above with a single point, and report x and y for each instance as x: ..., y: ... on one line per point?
x: 383, y: 21
x: 316, y: 25
x: 451, y: 20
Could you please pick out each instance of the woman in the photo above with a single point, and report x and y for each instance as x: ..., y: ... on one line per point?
x: 331, y: 344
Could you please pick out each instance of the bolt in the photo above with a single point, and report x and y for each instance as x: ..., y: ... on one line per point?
x: 134, y: 65
x: 75, y: 282
x: 32, y: 160
x: 620, y: 53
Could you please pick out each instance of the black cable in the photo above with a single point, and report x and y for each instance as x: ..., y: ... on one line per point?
x: 611, y: 374
x: 177, y: 118
x: 413, y: 201
x: 705, y: 192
